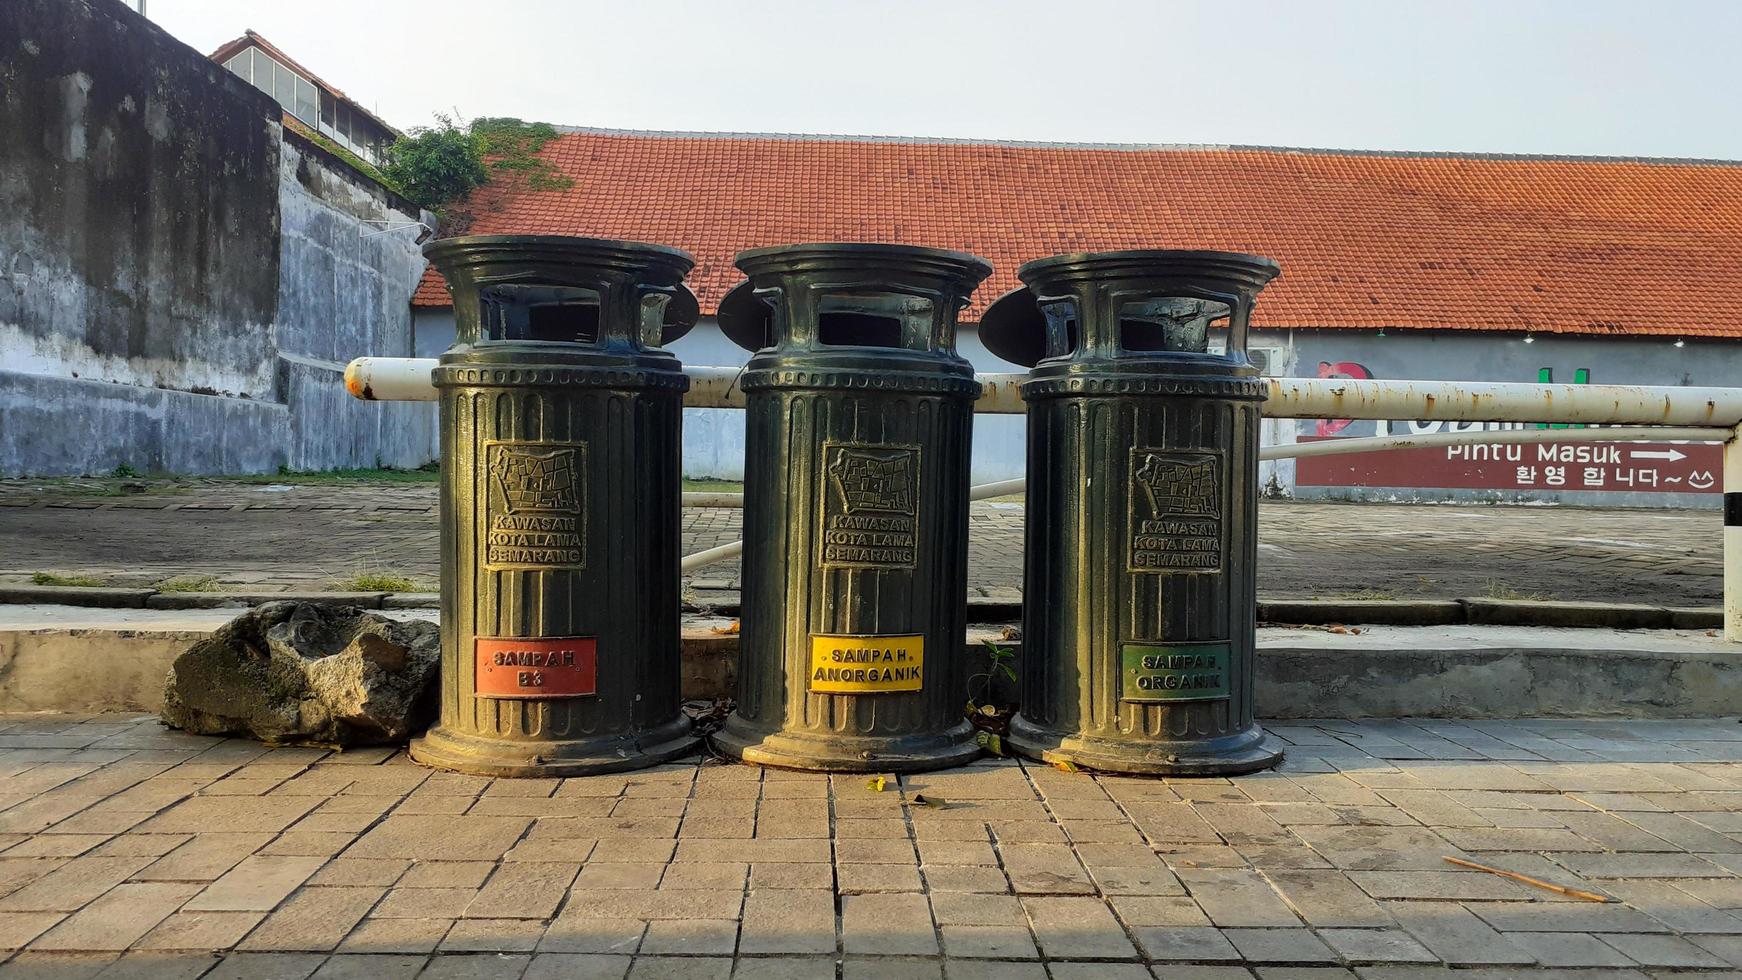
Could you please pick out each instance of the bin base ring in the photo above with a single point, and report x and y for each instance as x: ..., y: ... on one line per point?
x: 442, y: 748
x: 848, y: 753
x: 1246, y: 751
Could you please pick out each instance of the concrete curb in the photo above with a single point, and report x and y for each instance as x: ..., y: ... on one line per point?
x: 1456, y: 671
x: 67, y: 595
x: 1315, y: 612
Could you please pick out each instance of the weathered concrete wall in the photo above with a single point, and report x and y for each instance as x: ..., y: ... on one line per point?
x: 346, y: 275
x: 176, y: 279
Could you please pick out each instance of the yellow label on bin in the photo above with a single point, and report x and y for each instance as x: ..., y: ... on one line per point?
x: 857, y: 664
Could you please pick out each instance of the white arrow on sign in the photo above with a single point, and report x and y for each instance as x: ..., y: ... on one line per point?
x: 1670, y: 454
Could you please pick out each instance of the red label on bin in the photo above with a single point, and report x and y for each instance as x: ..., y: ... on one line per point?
x: 536, y: 667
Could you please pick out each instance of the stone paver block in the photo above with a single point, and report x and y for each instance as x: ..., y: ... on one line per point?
x: 875, y: 852
x: 361, y: 871
x: 446, y: 874
x: 1380, y: 848
x: 493, y: 935
x: 1045, y: 869
x: 783, y: 875
x: 1165, y: 910
x: 620, y: 850
x: 788, y: 921
x: 19, y: 928
x: 862, y: 879
x: 625, y: 874
x: 1192, y: 943
x: 1234, y: 897
x: 258, y: 884
x: 988, y: 942
x: 1329, y: 899
x: 1671, y: 906
x: 691, y: 937
x: 204, y: 857
x: 582, y: 934
x: 1641, y: 865
x: 576, y: 966
x: 1077, y: 928
x: 1568, y: 949
x: 423, y: 903
x: 965, y: 878
x: 1103, y: 971
x: 200, y: 930
x: 963, y: 909
x: 70, y: 885
x: 1440, y: 885
x: 649, y: 903
x: 57, y: 966
x: 314, y: 919
x: 523, y: 891
x: 1455, y: 934
x: 681, y: 968
x: 1549, y: 916
x: 887, y: 925
x: 235, y: 814
x: 1377, y: 946
x: 346, y: 966
x: 461, y: 838
x: 1665, y: 951
x: 278, y: 966
x: 714, y: 875
x: 375, y: 935
x: 755, y: 851
x: 118, y: 919
x: 1279, y: 946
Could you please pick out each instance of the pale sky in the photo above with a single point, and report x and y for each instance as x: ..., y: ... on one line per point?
x: 1636, y: 78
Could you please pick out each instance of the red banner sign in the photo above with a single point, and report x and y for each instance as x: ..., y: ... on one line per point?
x: 1603, y: 467
x: 541, y: 667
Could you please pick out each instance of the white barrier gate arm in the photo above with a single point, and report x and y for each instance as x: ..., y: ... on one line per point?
x: 1648, y: 412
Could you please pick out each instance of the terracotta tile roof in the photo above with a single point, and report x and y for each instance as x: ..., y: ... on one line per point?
x: 1366, y: 240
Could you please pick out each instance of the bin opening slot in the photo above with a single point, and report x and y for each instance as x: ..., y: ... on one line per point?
x: 1170, y: 324
x: 567, y: 314
x: 856, y: 320
x: 1061, y: 327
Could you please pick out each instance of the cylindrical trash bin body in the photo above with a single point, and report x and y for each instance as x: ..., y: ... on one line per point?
x: 1139, y: 601
x: 859, y: 414
x: 560, y: 434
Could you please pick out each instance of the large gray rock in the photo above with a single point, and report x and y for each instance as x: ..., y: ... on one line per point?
x: 304, y: 672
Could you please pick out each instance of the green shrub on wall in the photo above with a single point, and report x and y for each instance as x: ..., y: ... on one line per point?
x: 440, y: 165
x: 436, y: 165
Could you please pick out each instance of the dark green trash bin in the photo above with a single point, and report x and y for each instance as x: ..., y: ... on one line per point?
x: 560, y: 433
x: 1138, y: 601
x: 854, y: 579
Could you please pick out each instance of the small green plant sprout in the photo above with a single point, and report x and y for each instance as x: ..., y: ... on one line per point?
x: 125, y: 471
x: 384, y: 581
x: 999, y: 661
x: 189, y: 583
x: 1496, y: 589
x: 70, y: 581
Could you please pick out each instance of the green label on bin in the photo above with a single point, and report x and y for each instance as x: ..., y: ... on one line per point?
x: 1175, y: 671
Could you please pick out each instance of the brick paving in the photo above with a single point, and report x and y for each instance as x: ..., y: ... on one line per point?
x: 130, y: 850
x: 308, y: 537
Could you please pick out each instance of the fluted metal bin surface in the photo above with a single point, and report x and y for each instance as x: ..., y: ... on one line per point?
x: 854, y: 579
x: 560, y: 429
x: 1139, y: 602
